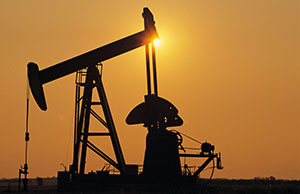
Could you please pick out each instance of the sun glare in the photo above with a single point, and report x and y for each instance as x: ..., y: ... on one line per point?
x: 156, y: 42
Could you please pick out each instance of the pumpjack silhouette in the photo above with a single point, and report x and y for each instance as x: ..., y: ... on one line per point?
x: 163, y: 146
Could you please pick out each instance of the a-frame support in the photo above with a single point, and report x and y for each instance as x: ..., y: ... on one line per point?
x: 81, y: 141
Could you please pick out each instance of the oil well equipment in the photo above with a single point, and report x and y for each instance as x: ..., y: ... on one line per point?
x: 164, y: 147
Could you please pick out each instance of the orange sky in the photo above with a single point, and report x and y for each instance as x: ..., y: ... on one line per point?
x: 231, y: 67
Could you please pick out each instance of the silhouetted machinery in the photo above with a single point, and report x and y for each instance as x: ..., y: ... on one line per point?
x: 163, y: 146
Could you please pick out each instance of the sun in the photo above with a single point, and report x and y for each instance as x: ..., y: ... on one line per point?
x: 156, y: 42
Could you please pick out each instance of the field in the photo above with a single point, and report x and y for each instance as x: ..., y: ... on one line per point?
x: 216, y: 186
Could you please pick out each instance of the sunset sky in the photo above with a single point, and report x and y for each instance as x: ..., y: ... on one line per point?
x: 231, y: 67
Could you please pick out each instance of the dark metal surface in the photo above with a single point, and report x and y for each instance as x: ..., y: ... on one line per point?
x: 198, y: 155
x: 162, y: 162
x: 148, y: 72
x: 96, y: 56
x: 148, y: 21
x: 36, y: 85
x: 93, y: 79
x: 110, y: 123
x: 85, y: 111
x: 162, y: 158
x: 154, y: 71
x: 155, y: 111
x: 201, y: 168
x: 38, y: 78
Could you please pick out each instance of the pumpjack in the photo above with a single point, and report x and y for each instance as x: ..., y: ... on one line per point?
x: 163, y: 146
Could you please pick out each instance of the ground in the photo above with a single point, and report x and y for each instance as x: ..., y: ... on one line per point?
x: 216, y: 186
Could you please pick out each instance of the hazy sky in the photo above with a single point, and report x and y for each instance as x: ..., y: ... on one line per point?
x: 232, y: 68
